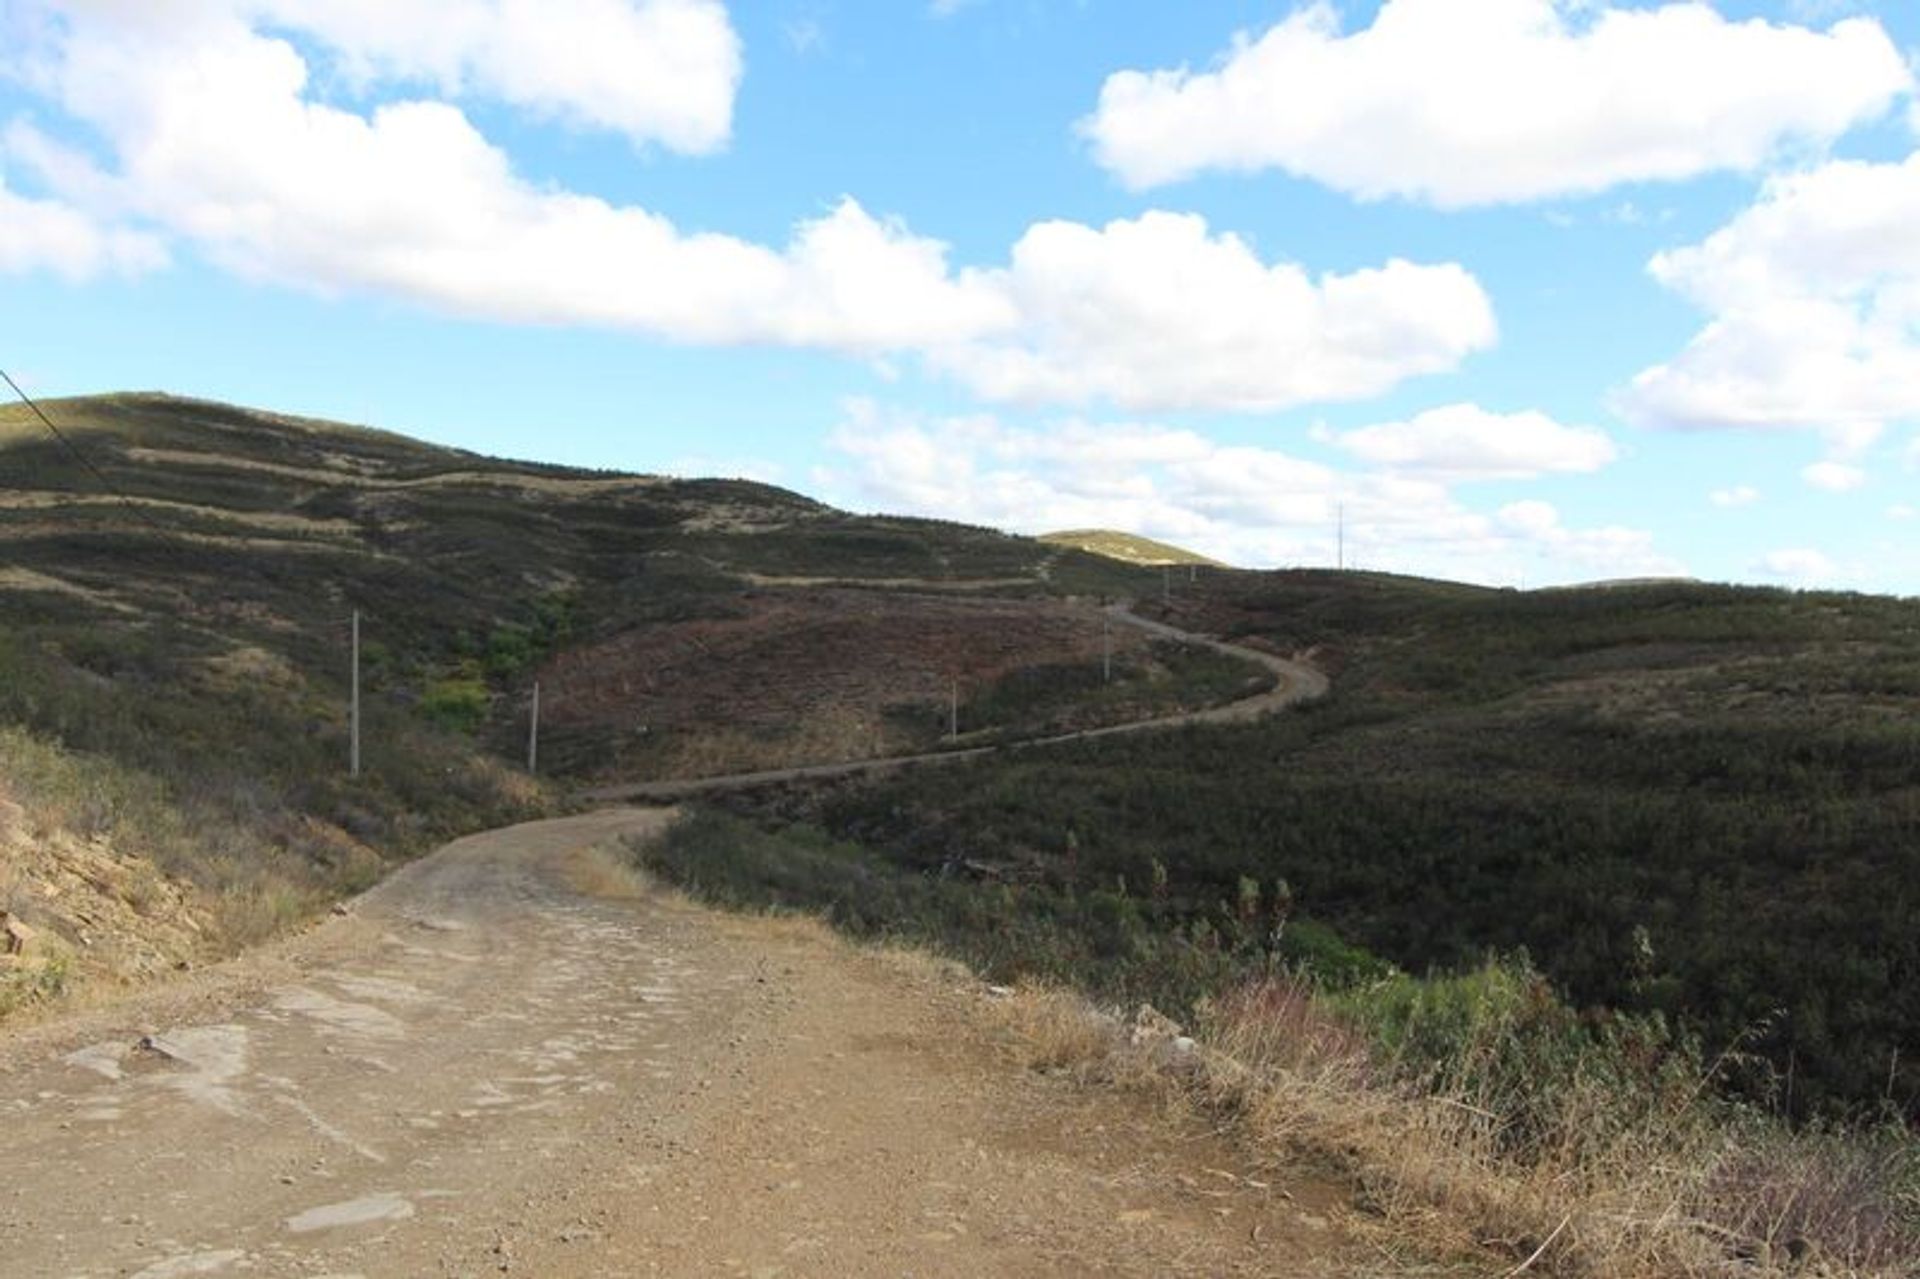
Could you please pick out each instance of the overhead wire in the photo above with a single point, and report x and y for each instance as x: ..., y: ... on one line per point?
x: 86, y: 463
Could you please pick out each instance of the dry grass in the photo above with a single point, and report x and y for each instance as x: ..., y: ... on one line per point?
x: 787, y: 927
x: 500, y: 479
x: 830, y: 733
x: 245, y: 915
x: 1673, y: 1190
x: 956, y: 585
x: 1129, y: 548
x: 21, y: 579
x: 279, y: 521
x: 604, y: 871
x: 1490, y: 1125
x: 104, y: 861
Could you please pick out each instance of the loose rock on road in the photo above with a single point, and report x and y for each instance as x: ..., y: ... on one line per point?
x: 515, y: 1057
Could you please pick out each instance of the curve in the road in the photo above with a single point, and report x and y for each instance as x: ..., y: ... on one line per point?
x: 1297, y: 682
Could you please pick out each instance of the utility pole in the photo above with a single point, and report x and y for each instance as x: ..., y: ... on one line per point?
x: 1166, y: 585
x: 1341, y: 537
x: 533, y: 732
x: 353, y: 715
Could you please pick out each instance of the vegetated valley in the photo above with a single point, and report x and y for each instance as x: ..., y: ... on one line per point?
x: 1626, y: 876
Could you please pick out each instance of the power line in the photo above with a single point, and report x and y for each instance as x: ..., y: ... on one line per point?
x: 80, y: 457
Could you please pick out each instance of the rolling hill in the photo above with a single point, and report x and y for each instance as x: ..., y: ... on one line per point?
x: 1594, y: 776
x: 174, y: 649
x: 1128, y: 548
x: 1674, y: 799
x: 1556, y: 859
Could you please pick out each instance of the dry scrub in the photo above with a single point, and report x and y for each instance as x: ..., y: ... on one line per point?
x: 1584, y: 1182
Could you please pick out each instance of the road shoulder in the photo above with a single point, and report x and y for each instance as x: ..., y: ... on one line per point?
x: 872, y: 1118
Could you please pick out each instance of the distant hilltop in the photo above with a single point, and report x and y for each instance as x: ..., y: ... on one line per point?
x: 1126, y: 547
x: 1626, y: 583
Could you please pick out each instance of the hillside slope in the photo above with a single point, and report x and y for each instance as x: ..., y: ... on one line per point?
x: 1691, y: 801
x: 174, y: 653
x: 1128, y: 548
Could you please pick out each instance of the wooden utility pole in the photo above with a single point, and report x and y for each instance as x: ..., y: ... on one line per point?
x: 533, y: 732
x: 353, y: 714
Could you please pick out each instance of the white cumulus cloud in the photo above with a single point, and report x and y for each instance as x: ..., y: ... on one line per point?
x: 1160, y: 312
x: 1834, y: 477
x: 1801, y: 566
x: 219, y: 143
x: 1245, y: 504
x: 1739, y: 495
x: 1612, y: 550
x: 657, y: 71
x: 48, y: 235
x: 1465, y: 441
x: 1813, y: 295
x: 1491, y: 101
x: 215, y: 134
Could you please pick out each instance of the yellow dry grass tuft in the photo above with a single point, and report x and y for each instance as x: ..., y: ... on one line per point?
x: 1660, y: 1198
x: 22, y: 579
x: 603, y: 871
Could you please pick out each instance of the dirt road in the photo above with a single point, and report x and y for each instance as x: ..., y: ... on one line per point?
x: 1296, y: 682
x: 514, y: 1057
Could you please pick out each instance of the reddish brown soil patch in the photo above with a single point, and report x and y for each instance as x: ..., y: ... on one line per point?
x: 809, y: 675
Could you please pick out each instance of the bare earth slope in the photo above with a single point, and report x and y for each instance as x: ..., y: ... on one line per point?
x: 513, y: 1057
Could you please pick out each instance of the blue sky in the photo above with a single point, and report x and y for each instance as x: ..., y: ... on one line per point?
x: 1531, y: 291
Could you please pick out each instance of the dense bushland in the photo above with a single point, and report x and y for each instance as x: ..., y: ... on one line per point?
x: 1701, y: 802
x: 1580, y: 1143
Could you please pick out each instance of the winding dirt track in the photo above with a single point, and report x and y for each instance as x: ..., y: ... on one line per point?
x: 515, y: 1057
x: 1297, y: 682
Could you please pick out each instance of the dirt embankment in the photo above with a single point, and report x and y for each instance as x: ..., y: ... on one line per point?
x: 74, y: 912
x: 512, y: 1057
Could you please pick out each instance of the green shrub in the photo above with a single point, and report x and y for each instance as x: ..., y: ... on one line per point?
x: 1335, y: 964
x: 458, y: 703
